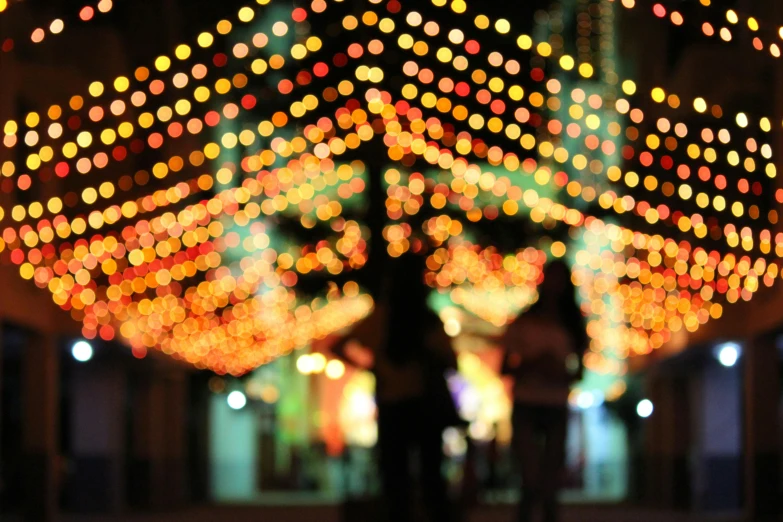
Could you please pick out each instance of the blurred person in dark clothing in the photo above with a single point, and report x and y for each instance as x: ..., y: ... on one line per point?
x: 543, y: 349
x: 409, y: 354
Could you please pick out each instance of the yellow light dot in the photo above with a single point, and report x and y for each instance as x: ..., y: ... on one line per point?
x: 246, y: 14
x: 700, y: 105
x: 84, y: 139
x: 731, y: 16
x: 658, y: 95
x: 629, y: 87
x: 57, y: 26
x: 121, y: 84
x: 162, y: 63
x: 502, y: 26
x: 32, y: 119
x: 96, y: 89
x: 205, y: 39
x: 482, y: 22
x: 459, y: 6
x: 89, y: 195
x: 567, y: 62
x: 586, y: 70
x: 558, y: 249
x: 525, y: 42
x: 182, y: 52
x: 224, y: 27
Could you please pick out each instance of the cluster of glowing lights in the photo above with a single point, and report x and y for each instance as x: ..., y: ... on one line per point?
x: 56, y: 26
x: 734, y: 21
x: 317, y: 363
x: 193, y: 269
x: 484, y: 282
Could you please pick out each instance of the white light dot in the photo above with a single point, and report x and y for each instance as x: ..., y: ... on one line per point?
x: 585, y: 400
x: 728, y: 354
x: 335, y: 369
x: 82, y: 351
x: 236, y: 400
x: 318, y: 362
x: 305, y: 364
x: 452, y: 326
x: 644, y: 409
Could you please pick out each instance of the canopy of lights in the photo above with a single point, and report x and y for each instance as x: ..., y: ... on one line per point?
x: 197, y: 194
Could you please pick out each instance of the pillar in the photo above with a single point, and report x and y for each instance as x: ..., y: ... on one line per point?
x: 157, y: 468
x: 667, y: 439
x: 40, y: 383
x: 717, y: 431
x: 762, y: 430
x: 175, y: 440
x: 147, y: 486
x: 97, y: 435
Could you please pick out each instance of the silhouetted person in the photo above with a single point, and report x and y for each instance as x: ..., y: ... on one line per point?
x: 410, y: 353
x: 543, y: 349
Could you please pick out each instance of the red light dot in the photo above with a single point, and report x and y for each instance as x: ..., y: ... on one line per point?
x: 299, y: 15
x: 355, y: 50
x: 175, y: 130
x: 659, y: 10
x: 472, y: 46
x: 321, y: 69
x: 24, y: 182
x: 212, y: 118
x: 62, y: 169
x: 155, y: 140
x: 498, y: 107
x: 340, y: 60
x: 38, y: 35
x: 285, y: 86
x: 720, y: 181
x: 107, y: 332
x: 220, y: 60
x: 157, y: 87
x: 119, y: 153
x: 86, y: 13
x: 535, y: 120
x: 137, y: 146
x: 402, y: 108
x: 8, y: 45
x: 462, y: 89
x: 248, y: 101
